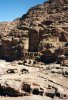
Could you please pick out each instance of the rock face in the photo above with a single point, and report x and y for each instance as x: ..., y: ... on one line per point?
x: 6, y: 27
x: 43, y: 27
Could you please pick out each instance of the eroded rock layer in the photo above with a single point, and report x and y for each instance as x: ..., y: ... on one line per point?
x: 43, y: 27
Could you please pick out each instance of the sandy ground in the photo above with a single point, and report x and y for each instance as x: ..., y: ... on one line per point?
x: 25, y: 98
x: 29, y: 98
x: 37, y: 75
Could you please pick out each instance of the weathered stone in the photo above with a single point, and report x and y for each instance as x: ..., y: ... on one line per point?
x: 43, y: 26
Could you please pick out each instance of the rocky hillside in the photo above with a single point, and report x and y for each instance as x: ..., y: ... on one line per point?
x: 43, y: 27
x: 6, y: 27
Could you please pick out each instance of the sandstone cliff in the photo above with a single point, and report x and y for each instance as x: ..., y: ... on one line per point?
x: 43, y: 27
